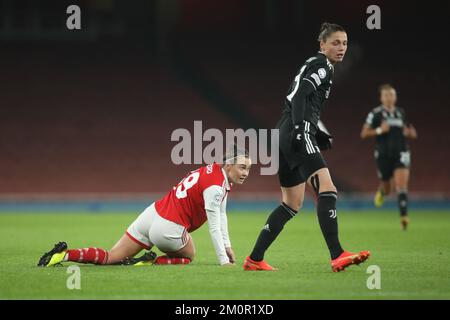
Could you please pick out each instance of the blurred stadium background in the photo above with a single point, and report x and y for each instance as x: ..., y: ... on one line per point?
x: 86, y: 115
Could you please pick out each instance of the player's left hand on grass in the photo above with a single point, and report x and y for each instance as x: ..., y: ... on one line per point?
x: 324, y: 140
x: 230, y: 254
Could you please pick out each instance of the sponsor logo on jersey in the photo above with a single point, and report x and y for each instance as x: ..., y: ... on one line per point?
x: 394, y: 122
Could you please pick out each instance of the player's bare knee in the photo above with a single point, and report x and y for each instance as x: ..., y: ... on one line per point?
x: 296, y: 204
x: 328, y: 188
x: 401, y: 189
x: 314, y: 182
x: 189, y: 253
x: 321, y: 183
x: 400, y: 186
x: 293, y: 200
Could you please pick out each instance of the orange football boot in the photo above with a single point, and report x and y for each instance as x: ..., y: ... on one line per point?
x: 347, y: 259
x: 250, y: 265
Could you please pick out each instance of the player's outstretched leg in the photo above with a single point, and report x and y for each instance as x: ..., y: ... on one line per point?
x: 123, y: 249
x: 292, y: 201
x: 327, y: 216
x: 274, y: 224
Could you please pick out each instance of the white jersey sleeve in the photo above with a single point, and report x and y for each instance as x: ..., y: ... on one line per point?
x: 213, y: 197
x: 224, y: 222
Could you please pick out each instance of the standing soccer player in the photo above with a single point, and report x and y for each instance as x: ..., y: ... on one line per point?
x: 300, y: 159
x: 388, y: 124
x: 168, y: 223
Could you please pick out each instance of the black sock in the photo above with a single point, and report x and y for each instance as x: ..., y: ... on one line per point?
x: 326, y: 212
x: 272, y: 228
x: 403, y: 203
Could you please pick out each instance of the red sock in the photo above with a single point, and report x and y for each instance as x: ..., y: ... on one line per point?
x: 167, y: 260
x: 88, y: 255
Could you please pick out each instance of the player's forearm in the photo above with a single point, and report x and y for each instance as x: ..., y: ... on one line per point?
x: 299, y: 102
x: 298, y: 111
x: 226, y: 238
x: 219, y: 246
x: 216, y: 235
x: 224, y: 229
x: 369, y: 132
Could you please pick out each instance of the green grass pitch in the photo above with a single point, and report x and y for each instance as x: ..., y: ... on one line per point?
x: 414, y: 264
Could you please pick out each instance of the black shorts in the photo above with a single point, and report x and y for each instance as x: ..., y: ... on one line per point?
x: 387, y: 163
x: 308, y: 164
x: 296, y: 167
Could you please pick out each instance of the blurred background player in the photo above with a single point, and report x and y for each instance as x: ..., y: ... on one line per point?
x: 167, y: 223
x: 300, y: 159
x: 388, y: 124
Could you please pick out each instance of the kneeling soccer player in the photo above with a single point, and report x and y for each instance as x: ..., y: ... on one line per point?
x: 167, y: 223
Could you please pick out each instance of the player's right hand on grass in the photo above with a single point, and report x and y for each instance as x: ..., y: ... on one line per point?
x: 297, y: 138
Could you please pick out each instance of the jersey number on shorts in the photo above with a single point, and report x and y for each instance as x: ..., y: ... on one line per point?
x: 405, y: 158
x: 186, y: 184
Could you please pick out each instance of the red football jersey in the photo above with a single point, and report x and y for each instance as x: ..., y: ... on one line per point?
x: 184, y: 204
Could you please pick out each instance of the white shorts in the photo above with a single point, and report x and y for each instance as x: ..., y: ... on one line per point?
x: 151, y: 229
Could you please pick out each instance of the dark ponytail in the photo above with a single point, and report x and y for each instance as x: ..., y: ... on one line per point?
x: 327, y: 29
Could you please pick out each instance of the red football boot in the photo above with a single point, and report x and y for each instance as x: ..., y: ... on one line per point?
x: 347, y: 259
x: 250, y: 265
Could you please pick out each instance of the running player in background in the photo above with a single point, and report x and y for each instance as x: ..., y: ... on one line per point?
x: 301, y: 161
x: 168, y: 223
x: 388, y: 124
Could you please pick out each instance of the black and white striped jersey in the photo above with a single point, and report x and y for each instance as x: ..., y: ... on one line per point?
x: 394, y: 140
x: 318, y: 72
